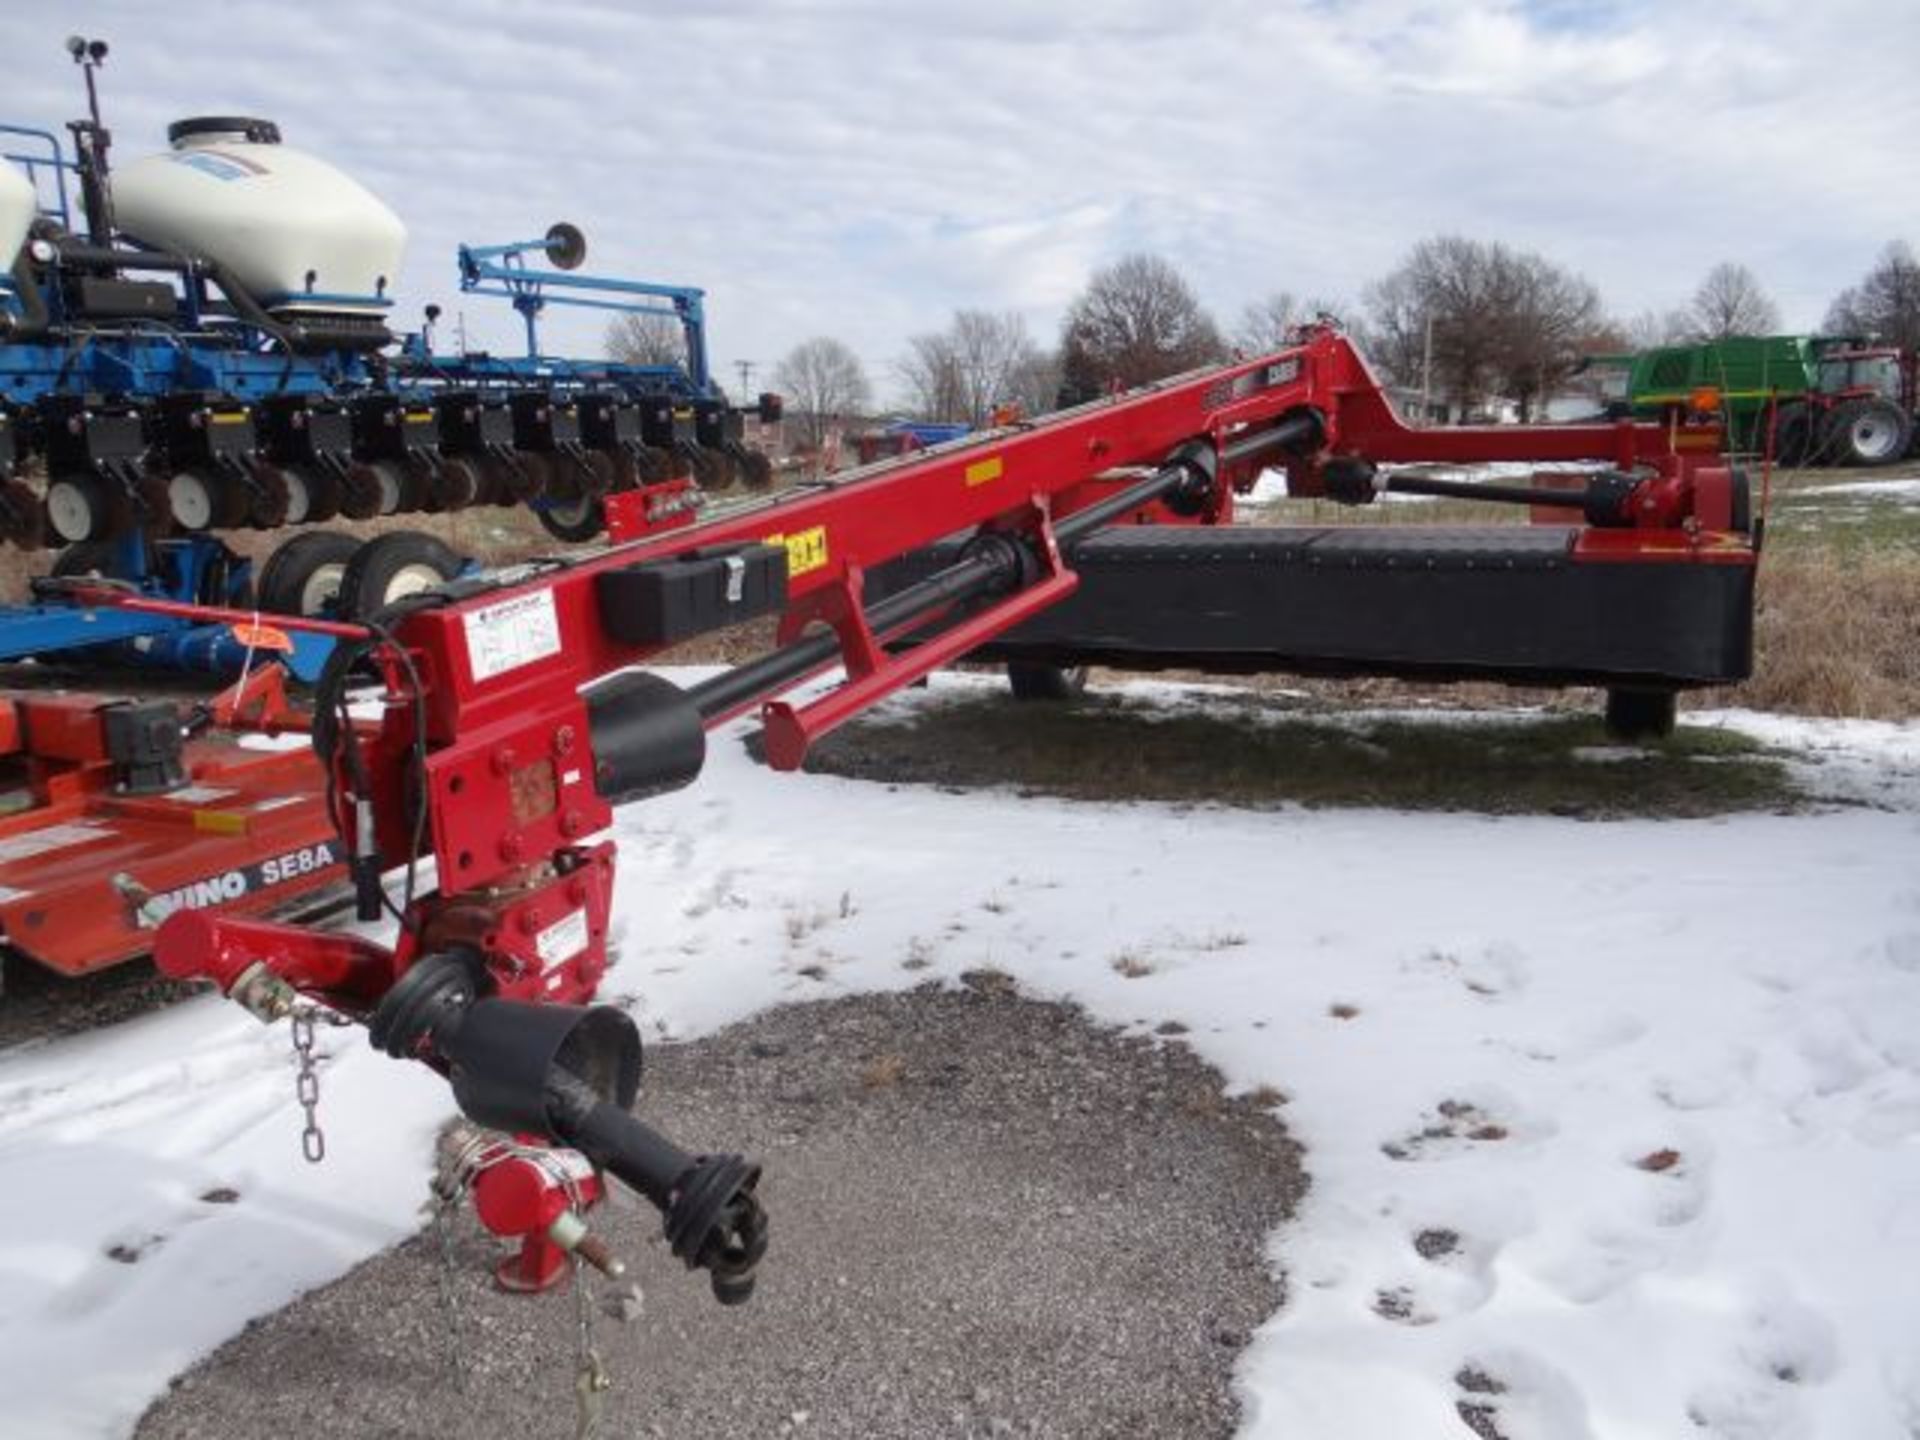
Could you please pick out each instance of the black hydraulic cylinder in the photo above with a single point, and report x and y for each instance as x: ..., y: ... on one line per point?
x: 1295, y: 433
x: 999, y: 563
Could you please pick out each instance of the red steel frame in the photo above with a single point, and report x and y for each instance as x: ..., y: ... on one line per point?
x: 508, y: 790
x: 87, y: 871
x: 508, y: 777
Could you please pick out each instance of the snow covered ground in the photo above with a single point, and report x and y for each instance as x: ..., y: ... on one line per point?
x: 1614, y: 1128
x: 1905, y: 490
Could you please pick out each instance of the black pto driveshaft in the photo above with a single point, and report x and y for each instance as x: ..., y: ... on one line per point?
x: 570, y: 1072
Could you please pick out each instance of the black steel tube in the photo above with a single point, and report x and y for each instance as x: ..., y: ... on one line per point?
x: 1084, y: 522
x: 74, y: 253
x: 975, y: 575
x: 774, y: 671
x: 1469, y: 490
x: 712, y: 1220
x: 613, y: 1138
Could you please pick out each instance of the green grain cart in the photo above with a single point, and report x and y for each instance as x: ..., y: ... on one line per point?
x: 1827, y: 400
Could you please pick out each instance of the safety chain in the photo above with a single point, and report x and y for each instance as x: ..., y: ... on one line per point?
x: 463, y: 1153
x: 445, y: 1207
x: 306, y: 1081
x: 591, y: 1381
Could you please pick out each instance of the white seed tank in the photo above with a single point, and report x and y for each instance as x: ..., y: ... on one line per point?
x: 297, y: 233
x: 17, y: 209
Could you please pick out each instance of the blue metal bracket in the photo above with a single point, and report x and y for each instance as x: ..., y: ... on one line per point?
x: 177, y: 570
x: 503, y: 270
x: 34, y: 162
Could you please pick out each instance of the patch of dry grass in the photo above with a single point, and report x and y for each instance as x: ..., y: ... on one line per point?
x: 1245, y: 753
x: 883, y: 1072
x: 1132, y: 964
x: 1836, y: 633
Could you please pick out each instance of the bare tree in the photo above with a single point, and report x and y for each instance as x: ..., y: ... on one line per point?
x: 990, y: 350
x: 646, y: 339
x: 1886, y: 304
x: 980, y: 362
x: 1550, y: 321
x: 1136, y: 321
x: 1730, y: 301
x: 1034, y: 384
x: 1651, y: 329
x: 1491, y: 319
x: 930, y: 373
x: 1269, y: 324
x: 823, y: 385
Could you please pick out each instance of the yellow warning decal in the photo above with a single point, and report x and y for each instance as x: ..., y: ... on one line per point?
x: 806, y: 551
x: 220, y: 822
x: 981, y: 471
x: 229, y: 417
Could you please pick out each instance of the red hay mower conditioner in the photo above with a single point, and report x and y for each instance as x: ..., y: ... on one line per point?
x: 514, y: 717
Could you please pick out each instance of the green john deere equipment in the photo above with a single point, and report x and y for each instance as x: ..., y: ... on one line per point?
x: 1812, y: 399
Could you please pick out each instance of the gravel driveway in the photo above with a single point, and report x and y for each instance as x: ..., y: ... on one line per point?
x: 989, y: 1218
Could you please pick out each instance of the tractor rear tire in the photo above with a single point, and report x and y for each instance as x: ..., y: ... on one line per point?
x: 303, y: 576
x: 394, y: 567
x: 1792, y: 436
x: 1635, y: 713
x: 1030, y: 680
x: 1870, y: 432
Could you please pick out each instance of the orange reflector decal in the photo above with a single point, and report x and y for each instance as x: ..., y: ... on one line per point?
x: 256, y: 636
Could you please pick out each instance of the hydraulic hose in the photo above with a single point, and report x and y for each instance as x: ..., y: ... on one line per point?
x: 244, y: 305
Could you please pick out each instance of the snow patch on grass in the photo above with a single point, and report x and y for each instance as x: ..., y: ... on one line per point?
x: 1533, y: 1012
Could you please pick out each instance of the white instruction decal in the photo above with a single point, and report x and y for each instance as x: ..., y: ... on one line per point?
x: 562, y: 940
x: 43, y: 842
x: 513, y: 633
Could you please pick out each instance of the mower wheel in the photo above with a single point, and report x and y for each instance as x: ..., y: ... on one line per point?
x: 1032, y: 681
x: 392, y: 568
x: 1640, y: 714
x: 302, y: 576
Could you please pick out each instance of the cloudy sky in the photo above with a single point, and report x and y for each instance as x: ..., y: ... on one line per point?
x: 863, y: 169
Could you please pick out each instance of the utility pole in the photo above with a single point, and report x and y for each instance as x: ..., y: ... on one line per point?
x: 745, y: 367
x: 1426, y: 376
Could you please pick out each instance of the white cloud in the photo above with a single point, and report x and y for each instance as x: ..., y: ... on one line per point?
x: 862, y: 169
